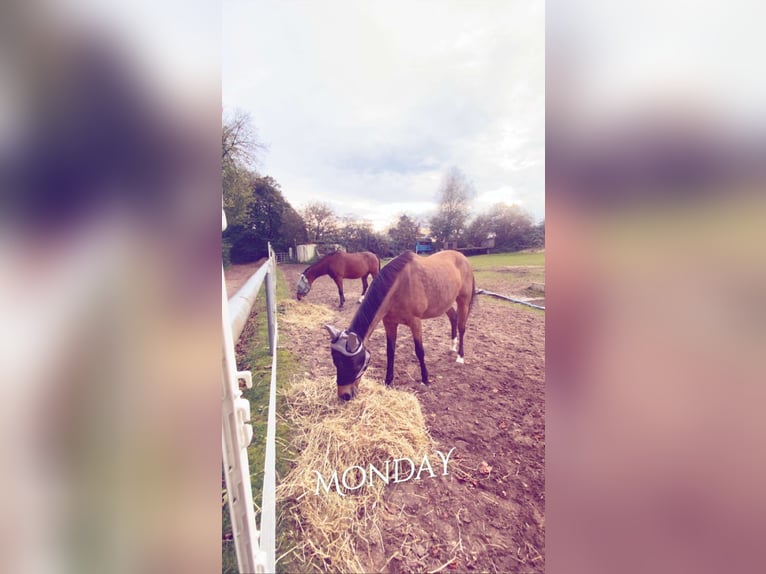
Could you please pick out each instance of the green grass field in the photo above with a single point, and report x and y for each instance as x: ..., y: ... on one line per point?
x: 508, y: 272
x: 480, y: 262
x: 495, y: 260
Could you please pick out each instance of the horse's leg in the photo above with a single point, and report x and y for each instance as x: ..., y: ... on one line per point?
x: 417, y: 337
x: 364, y: 288
x: 452, y: 314
x: 339, y: 283
x: 391, y: 329
x: 463, y: 306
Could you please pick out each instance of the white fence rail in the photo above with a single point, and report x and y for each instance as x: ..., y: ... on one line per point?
x: 255, y: 550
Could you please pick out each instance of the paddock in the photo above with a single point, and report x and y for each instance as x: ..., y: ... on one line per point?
x: 488, y: 513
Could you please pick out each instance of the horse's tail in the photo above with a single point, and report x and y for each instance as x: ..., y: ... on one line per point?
x: 378, y: 258
x: 473, y: 293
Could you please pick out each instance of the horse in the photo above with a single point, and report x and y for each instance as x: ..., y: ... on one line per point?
x: 339, y: 266
x: 410, y: 288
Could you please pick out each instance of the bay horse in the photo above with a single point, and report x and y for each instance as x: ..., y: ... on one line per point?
x: 410, y: 288
x: 339, y: 266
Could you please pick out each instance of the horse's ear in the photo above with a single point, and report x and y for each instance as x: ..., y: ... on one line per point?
x: 334, y: 333
x: 352, y: 343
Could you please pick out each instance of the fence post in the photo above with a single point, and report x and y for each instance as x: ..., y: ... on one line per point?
x: 271, y: 299
x: 268, y: 502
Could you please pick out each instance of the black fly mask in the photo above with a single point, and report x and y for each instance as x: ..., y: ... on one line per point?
x: 350, y: 357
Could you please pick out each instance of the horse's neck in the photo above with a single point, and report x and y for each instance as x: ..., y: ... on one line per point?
x: 316, y: 270
x: 381, y: 312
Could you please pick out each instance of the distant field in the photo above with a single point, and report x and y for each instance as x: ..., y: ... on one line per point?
x: 492, y: 262
x: 508, y: 273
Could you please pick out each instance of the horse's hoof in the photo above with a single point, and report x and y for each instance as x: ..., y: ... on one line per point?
x: 460, y: 360
x: 361, y: 299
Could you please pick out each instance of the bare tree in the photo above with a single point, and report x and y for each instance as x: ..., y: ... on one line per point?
x: 454, y: 196
x: 239, y: 150
x: 239, y: 139
x: 321, y: 222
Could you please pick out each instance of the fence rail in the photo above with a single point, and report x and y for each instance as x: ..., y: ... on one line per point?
x: 511, y: 299
x: 283, y: 256
x: 255, y: 550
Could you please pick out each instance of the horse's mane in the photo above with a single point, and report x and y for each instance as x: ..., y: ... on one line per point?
x: 377, y: 292
x: 320, y: 260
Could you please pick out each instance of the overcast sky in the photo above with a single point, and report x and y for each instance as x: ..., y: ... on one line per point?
x: 365, y: 105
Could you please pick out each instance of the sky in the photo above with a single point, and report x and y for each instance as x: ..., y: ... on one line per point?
x: 626, y: 57
x: 366, y: 105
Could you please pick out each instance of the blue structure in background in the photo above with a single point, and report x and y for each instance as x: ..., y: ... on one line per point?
x: 424, y: 246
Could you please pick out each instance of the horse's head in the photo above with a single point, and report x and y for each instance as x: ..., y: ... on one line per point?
x: 351, y: 361
x: 303, y: 287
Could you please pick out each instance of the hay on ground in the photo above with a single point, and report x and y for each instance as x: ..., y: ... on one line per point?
x: 380, y: 424
x: 302, y: 314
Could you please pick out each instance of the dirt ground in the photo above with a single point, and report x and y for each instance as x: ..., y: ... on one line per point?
x: 488, y: 514
x: 236, y: 275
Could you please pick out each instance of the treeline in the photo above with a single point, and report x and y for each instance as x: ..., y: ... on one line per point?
x: 256, y: 210
x: 257, y: 213
x: 325, y: 227
x: 502, y: 227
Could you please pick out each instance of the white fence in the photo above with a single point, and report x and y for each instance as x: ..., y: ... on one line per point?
x: 255, y: 550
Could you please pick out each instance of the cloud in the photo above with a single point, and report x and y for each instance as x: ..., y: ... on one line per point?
x: 365, y: 106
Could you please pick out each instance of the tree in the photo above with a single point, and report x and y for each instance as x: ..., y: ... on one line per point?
x: 404, y: 234
x: 383, y: 245
x: 512, y: 226
x: 537, y: 235
x: 239, y: 140
x: 479, y: 230
x: 257, y: 212
x: 237, y: 192
x: 239, y: 151
x: 321, y: 222
x: 270, y: 218
x: 266, y: 208
x: 454, y: 196
x: 293, y: 229
x: 357, y: 235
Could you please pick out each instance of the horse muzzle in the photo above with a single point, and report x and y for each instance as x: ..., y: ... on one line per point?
x: 348, y: 392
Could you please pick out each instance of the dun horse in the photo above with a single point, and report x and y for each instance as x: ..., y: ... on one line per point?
x: 409, y: 288
x: 339, y: 266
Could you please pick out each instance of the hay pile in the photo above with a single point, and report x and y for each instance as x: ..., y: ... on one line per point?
x: 331, y: 532
x: 302, y: 314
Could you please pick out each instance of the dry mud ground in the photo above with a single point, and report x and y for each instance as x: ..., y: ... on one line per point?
x: 487, y: 514
x: 237, y: 275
